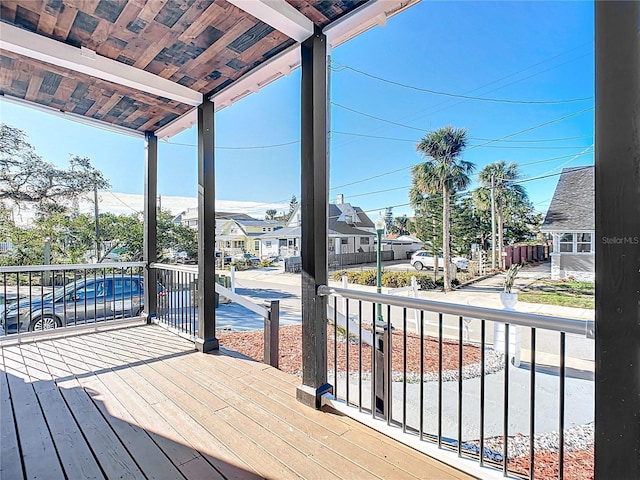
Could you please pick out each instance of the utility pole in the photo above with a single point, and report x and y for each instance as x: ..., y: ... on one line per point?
x: 493, y: 221
x: 96, y: 215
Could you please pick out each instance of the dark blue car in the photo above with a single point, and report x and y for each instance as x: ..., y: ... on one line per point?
x: 84, y: 301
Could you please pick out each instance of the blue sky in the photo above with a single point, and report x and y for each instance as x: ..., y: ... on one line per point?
x: 516, y: 51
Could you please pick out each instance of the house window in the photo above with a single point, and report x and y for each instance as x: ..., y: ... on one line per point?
x: 256, y: 245
x: 364, y: 240
x: 267, y: 243
x: 566, y: 243
x: 344, y: 241
x: 583, y: 243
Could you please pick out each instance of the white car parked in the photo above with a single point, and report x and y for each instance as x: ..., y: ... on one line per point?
x: 423, y: 259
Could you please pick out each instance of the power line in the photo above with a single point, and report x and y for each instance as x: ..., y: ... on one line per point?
x: 533, y: 128
x: 411, y: 140
x: 376, y: 118
x: 251, y: 147
x: 123, y: 202
x: 465, y: 97
x: 471, y: 148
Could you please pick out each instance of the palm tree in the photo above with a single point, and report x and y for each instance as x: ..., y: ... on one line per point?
x: 505, y: 192
x: 446, y: 173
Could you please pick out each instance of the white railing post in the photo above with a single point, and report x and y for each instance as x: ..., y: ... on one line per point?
x: 345, y: 284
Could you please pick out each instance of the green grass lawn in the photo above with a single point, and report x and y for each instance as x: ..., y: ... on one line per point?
x: 568, y: 293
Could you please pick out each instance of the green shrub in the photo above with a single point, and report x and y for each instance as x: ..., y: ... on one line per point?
x: 425, y: 281
x: 396, y: 279
x: 337, y: 276
x: 366, y: 277
x: 390, y: 279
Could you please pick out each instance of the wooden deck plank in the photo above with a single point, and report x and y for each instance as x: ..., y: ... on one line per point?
x: 214, y: 450
x: 334, y: 450
x: 75, y: 455
x: 113, y: 390
x: 173, y: 444
x: 110, y: 453
x: 345, y: 427
x: 225, y: 461
x: 200, y: 416
x: 268, y: 392
x: 147, y: 454
x: 38, y: 452
x: 10, y: 463
x: 203, y: 405
x: 150, y: 458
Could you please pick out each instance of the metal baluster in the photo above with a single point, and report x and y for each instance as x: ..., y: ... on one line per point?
x: 421, y: 375
x: 374, y: 349
x: 440, y: 380
x: 532, y: 418
x: 459, y: 386
x: 346, y: 316
x: 389, y: 372
x: 505, y: 418
x: 482, y: 388
x: 404, y: 370
x: 360, y: 356
x: 561, y: 413
x: 335, y: 346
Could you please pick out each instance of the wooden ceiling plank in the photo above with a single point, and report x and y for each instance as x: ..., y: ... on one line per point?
x: 258, y: 50
x: 129, y: 14
x: 169, y: 72
x: 202, y: 22
x: 242, y: 25
x: 134, y: 116
x: 171, y: 36
x: 108, y: 105
x: 102, y: 33
x: 34, y: 87
x: 47, y: 24
x: 65, y: 22
x: 8, y: 9
x: 150, y: 123
x: 151, y: 9
x: 66, y: 89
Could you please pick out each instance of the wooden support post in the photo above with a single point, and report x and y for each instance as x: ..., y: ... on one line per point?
x: 272, y: 335
x: 617, y: 186
x: 314, y: 208
x: 150, y: 254
x: 206, y: 340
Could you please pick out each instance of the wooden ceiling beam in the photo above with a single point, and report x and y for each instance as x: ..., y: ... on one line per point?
x: 280, y: 15
x: 366, y: 16
x: 86, y: 61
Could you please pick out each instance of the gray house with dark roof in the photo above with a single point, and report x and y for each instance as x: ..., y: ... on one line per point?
x: 570, y: 220
x: 350, y: 230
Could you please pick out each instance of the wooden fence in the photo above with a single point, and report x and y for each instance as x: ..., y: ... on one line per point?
x: 526, y: 253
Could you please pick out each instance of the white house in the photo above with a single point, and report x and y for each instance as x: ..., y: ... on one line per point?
x: 350, y: 230
x: 570, y: 220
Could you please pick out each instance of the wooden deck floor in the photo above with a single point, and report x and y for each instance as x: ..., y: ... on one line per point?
x: 138, y: 402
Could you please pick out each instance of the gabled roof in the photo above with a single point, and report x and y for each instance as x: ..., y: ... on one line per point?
x: 141, y: 66
x: 336, y: 220
x: 572, y: 207
x: 254, y: 222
